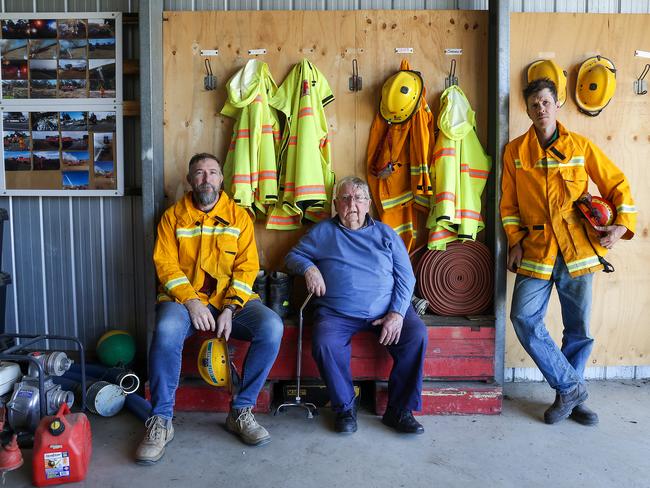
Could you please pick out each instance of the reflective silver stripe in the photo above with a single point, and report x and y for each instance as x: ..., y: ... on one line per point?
x: 171, y: 284
x: 241, y: 286
x: 626, y: 208
x: 207, y: 230
x: 585, y: 263
x: 536, y: 267
x: 510, y: 221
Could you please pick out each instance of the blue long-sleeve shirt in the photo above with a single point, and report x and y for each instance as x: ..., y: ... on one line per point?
x: 367, y: 271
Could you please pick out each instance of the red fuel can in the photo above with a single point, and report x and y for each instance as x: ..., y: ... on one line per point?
x: 62, y: 448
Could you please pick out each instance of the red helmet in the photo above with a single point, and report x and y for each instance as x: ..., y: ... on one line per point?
x: 598, y: 211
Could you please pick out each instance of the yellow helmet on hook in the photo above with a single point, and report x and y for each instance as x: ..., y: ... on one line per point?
x: 400, y: 96
x: 547, y: 68
x: 596, y: 85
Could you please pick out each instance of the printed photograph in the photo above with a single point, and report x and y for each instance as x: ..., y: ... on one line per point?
x: 73, y: 49
x: 43, y: 89
x: 74, y: 159
x: 70, y: 69
x: 45, y: 121
x: 15, y: 29
x: 15, y: 120
x: 73, y: 121
x: 46, y: 140
x: 75, y: 180
x: 102, y: 69
x: 16, y: 140
x: 72, y: 28
x: 72, y: 89
x: 101, y: 121
x: 102, y: 88
x: 14, y: 69
x: 15, y: 89
x: 43, y: 69
x: 42, y: 48
x: 74, y: 141
x: 46, y: 160
x: 101, y: 28
x: 103, y: 146
x: 13, y: 48
x: 101, y: 48
x: 18, y: 161
x: 42, y: 29
x: 104, y: 175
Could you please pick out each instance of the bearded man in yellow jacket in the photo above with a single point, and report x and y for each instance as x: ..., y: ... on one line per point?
x: 206, y: 261
x: 545, y: 171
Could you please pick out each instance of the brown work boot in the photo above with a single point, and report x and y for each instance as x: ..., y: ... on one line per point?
x: 160, y: 432
x: 241, y: 422
x: 565, y: 403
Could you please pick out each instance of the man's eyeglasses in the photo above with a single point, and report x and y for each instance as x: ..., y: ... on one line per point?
x: 356, y: 198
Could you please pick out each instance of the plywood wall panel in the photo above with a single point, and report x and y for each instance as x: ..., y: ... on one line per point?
x: 621, y: 301
x: 331, y: 39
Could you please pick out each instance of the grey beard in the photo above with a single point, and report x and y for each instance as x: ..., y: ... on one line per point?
x: 204, y: 196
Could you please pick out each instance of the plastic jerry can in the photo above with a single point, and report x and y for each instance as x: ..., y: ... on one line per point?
x: 62, y: 448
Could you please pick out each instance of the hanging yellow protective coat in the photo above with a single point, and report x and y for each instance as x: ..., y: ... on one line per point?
x: 306, y: 176
x: 460, y: 170
x: 250, y: 170
x: 539, y: 188
x: 210, y: 256
x: 400, y: 153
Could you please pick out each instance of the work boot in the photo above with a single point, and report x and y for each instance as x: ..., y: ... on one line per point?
x: 346, y: 421
x: 241, y: 422
x: 565, y: 403
x: 160, y: 432
x: 260, y: 285
x: 402, y: 420
x: 279, y: 293
x: 584, y: 415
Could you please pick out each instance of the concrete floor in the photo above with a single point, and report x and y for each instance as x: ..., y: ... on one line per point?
x: 513, y: 449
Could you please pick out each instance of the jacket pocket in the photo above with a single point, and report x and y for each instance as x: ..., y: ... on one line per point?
x: 226, y: 249
x: 575, y: 182
x: 535, y: 244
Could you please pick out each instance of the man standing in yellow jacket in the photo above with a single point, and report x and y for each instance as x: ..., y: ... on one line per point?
x: 544, y: 172
x: 206, y: 261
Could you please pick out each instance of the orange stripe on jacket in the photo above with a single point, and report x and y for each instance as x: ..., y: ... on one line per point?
x: 445, y: 151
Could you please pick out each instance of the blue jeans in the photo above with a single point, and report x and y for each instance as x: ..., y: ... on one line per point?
x: 331, y: 348
x: 255, y: 323
x: 563, y: 368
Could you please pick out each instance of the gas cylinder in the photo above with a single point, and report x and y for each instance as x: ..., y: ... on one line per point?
x: 62, y: 448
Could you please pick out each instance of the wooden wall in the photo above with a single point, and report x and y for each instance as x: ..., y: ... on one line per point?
x: 621, y: 301
x: 331, y: 39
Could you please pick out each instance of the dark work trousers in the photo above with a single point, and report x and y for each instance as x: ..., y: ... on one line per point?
x: 331, y: 339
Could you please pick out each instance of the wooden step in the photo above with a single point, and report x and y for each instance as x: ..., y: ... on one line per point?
x: 450, y: 398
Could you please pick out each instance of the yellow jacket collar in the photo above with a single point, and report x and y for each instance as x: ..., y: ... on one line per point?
x: 189, y: 214
x: 561, y: 150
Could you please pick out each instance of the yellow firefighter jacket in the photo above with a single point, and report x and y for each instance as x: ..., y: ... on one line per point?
x: 210, y: 256
x: 539, y: 188
x: 250, y: 170
x: 460, y: 170
x: 400, y: 153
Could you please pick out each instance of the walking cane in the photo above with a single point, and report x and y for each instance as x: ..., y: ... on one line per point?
x: 310, y: 407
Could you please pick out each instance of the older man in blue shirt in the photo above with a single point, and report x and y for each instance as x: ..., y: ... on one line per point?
x: 360, y: 271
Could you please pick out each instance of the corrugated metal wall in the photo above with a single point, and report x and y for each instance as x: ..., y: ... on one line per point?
x: 77, y: 262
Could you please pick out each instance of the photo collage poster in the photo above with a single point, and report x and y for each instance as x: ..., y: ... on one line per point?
x: 58, y: 58
x: 63, y: 150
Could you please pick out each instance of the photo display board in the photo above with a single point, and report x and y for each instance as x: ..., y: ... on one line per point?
x: 61, y: 104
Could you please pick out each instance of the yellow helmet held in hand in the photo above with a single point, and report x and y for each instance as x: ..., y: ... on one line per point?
x: 400, y: 96
x: 547, y: 68
x: 214, y: 362
x: 596, y: 85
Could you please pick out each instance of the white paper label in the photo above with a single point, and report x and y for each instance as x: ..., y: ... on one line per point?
x: 404, y: 50
x: 57, y: 465
x: 256, y: 52
x: 209, y: 52
x: 453, y: 51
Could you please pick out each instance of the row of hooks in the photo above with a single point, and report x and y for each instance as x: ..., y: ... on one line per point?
x: 355, y: 81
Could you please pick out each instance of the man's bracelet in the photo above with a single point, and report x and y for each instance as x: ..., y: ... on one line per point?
x: 232, y: 308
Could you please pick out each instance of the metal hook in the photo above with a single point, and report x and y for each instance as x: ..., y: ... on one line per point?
x: 355, y: 81
x: 209, y: 81
x: 640, y: 85
x: 452, y: 79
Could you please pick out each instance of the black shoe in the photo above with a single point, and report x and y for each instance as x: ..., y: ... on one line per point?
x: 584, y: 415
x: 402, y: 421
x: 346, y: 422
x: 565, y: 403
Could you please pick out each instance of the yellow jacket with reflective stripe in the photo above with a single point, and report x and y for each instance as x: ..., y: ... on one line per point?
x: 460, y: 170
x: 538, y: 190
x: 192, y: 244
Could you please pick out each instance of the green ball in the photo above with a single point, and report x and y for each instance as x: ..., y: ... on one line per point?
x: 116, y: 347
